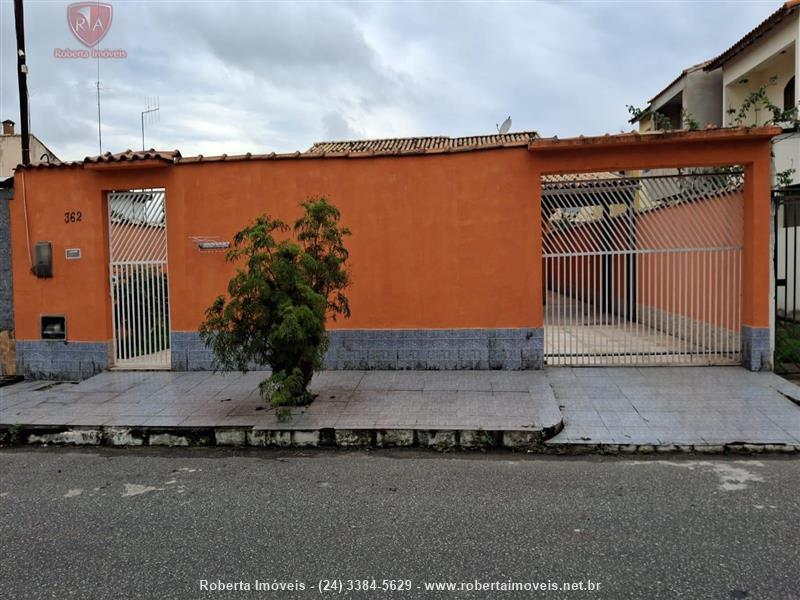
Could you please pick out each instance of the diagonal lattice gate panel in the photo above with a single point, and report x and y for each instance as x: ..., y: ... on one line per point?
x: 642, y: 270
x: 139, y: 286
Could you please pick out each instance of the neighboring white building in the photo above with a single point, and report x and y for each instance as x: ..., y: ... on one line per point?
x: 696, y: 93
x: 11, y: 150
x: 713, y: 92
x: 768, y: 55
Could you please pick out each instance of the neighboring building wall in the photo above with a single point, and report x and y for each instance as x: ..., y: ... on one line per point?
x: 786, y: 154
x: 739, y: 83
x: 7, y: 358
x: 39, y: 152
x: 777, y: 54
x: 702, y: 96
x: 11, y: 153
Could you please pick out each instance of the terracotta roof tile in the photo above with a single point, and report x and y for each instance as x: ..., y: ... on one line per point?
x: 421, y: 144
x: 786, y: 9
x: 561, y: 181
x: 643, y: 137
x: 131, y: 155
x: 170, y: 156
x: 455, y: 145
x: 343, y: 149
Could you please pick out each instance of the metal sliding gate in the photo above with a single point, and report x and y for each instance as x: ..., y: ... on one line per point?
x: 642, y: 270
x: 139, y: 291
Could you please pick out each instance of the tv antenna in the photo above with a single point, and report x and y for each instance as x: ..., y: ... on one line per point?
x: 504, y: 126
x: 97, y: 87
x: 150, y: 114
x: 99, y: 126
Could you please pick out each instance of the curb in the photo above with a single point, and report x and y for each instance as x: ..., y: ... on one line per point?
x: 532, y: 441
x: 733, y: 448
x: 442, y: 440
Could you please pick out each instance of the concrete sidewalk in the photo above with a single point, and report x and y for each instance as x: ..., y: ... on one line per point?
x: 442, y: 408
x: 710, y: 408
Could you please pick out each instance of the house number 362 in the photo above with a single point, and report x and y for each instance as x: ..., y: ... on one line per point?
x: 73, y: 216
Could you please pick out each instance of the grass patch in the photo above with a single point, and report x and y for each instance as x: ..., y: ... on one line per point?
x: 787, y: 345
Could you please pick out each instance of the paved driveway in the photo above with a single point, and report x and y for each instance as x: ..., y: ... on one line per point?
x: 676, y: 405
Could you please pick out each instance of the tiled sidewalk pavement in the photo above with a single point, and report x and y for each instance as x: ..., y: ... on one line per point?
x: 634, y: 406
x: 492, y: 400
x: 685, y: 406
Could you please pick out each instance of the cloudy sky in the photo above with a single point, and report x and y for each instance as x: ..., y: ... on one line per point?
x: 271, y: 76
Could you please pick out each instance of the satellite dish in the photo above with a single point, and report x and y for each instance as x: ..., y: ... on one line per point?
x: 502, y: 129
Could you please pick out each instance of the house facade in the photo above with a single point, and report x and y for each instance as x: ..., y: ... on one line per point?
x: 768, y: 56
x: 462, y: 256
x: 715, y: 91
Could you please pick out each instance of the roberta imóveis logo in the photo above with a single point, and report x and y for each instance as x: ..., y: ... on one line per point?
x: 89, y: 22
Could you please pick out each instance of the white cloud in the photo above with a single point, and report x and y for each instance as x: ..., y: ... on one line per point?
x: 263, y: 76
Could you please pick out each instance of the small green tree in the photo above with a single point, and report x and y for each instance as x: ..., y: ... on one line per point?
x: 279, y: 298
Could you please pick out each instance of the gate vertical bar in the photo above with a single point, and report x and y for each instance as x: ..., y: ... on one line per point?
x: 138, y: 257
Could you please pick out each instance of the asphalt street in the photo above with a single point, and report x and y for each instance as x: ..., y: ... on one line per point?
x: 152, y: 523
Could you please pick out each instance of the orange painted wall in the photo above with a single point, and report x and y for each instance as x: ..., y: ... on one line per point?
x: 439, y: 241
x: 78, y: 288
x: 442, y: 241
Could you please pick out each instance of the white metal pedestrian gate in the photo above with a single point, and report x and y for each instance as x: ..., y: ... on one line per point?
x: 137, y: 226
x: 643, y: 270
